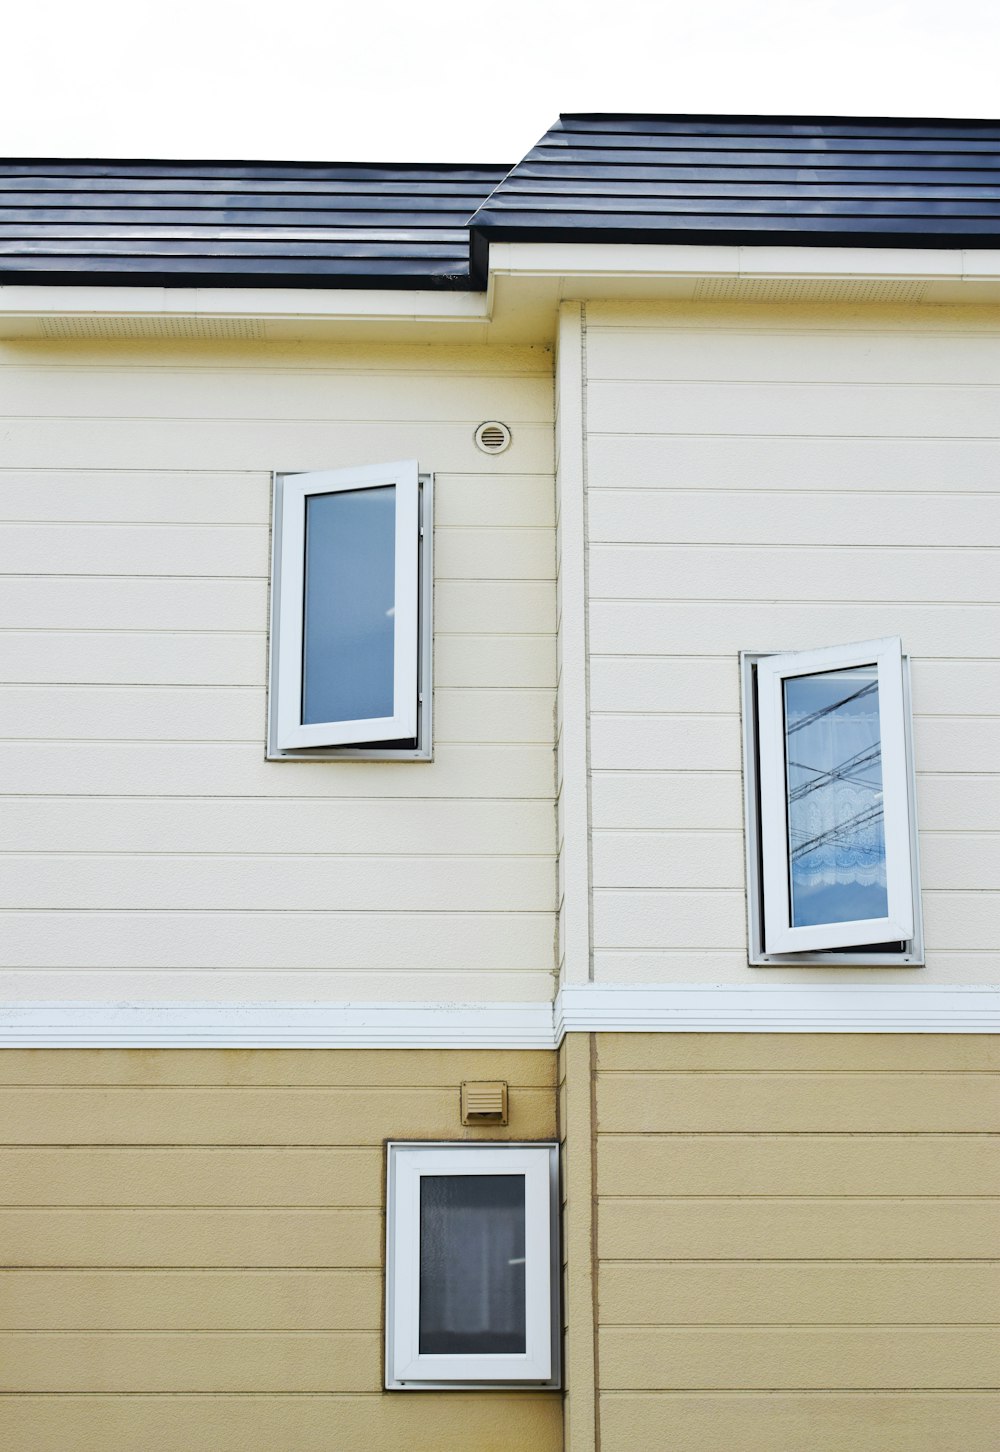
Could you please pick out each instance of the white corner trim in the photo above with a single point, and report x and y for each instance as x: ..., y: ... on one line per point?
x: 777, y: 1008
x: 584, y: 1008
x: 573, y: 736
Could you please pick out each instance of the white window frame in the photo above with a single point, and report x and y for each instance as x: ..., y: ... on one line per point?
x: 772, y: 938
x: 405, y: 1366
x: 410, y: 723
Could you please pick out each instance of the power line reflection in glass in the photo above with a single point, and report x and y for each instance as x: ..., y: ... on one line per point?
x: 836, y: 832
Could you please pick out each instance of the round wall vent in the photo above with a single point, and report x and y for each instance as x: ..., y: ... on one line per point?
x: 492, y: 437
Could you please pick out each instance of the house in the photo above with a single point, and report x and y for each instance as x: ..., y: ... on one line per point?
x: 500, y: 725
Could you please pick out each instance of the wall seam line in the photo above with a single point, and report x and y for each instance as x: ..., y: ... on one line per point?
x: 585, y: 484
x: 595, y: 1264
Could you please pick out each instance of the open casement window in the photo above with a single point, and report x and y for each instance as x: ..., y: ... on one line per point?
x: 831, y: 834
x: 472, y: 1266
x: 350, y: 613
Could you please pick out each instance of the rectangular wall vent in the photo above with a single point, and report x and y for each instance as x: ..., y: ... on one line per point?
x: 484, y: 1101
x: 794, y: 290
x: 217, y: 329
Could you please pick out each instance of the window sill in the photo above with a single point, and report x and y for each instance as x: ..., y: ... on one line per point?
x: 836, y: 960
x: 350, y: 753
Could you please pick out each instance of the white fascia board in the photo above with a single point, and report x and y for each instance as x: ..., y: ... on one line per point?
x: 580, y: 260
x: 906, y: 264
x: 24, y: 305
x: 584, y: 1008
x: 610, y: 259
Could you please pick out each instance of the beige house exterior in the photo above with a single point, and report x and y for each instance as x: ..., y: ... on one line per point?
x: 230, y: 981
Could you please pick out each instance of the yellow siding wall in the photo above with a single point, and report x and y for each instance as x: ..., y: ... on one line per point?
x: 196, y: 1239
x: 765, y: 478
x: 144, y: 834
x: 798, y: 1240
x: 577, y: 1154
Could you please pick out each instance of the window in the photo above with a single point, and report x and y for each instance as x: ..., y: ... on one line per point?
x: 351, y: 613
x: 831, y: 837
x: 472, y: 1265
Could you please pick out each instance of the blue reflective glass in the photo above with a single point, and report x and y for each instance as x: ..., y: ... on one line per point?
x: 836, y: 828
x: 348, y: 640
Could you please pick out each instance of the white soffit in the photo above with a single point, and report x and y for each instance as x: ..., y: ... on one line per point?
x: 240, y: 314
x: 753, y: 274
x: 527, y: 282
x: 587, y: 1008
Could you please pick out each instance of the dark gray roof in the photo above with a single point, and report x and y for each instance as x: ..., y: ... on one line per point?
x: 754, y: 179
x: 236, y: 224
x: 809, y: 180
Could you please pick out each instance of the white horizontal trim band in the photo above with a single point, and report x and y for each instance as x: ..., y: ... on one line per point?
x: 777, y: 1008
x: 278, y: 1025
x: 584, y: 1008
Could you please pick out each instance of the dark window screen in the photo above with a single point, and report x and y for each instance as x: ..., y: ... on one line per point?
x: 472, y: 1264
x: 350, y: 580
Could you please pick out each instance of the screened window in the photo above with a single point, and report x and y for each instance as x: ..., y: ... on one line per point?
x: 350, y: 613
x: 471, y: 1265
x: 831, y: 834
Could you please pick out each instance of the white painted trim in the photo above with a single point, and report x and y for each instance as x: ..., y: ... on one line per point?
x: 777, y: 1008
x: 242, y: 315
x: 277, y: 304
x: 660, y: 259
x: 580, y: 1008
x: 291, y: 492
x: 423, y: 627
x: 772, y: 672
x: 572, y: 268
x: 573, y: 727
x: 914, y: 958
x: 277, y: 1025
x: 405, y: 1364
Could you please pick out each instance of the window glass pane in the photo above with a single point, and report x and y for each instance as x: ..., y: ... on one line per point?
x: 833, y: 760
x: 350, y: 570
x: 472, y: 1264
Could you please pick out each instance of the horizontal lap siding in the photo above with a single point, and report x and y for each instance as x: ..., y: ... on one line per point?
x: 306, y: 1422
x: 766, y: 479
x: 346, y: 1115
x: 144, y: 833
x: 797, y: 1242
x: 194, y: 1248
x: 179, y: 713
x: 135, y: 444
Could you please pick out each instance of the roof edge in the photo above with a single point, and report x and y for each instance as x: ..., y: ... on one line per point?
x: 502, y: 168
x: 788, y: 118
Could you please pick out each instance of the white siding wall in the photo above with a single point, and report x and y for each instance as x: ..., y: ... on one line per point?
x: 149, y: 851
x: 772, y: 480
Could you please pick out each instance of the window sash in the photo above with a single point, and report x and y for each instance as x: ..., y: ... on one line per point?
x: 291, y: 493
x: 405, y: 1363
x: 780, y: 936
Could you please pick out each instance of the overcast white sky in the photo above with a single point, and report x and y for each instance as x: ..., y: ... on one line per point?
x: 438, y: 80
